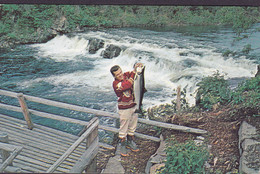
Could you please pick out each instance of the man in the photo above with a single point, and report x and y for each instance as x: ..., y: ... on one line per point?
x: 123, y: 87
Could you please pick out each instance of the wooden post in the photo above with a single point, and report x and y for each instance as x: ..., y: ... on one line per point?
x: 178, y: 100
x: 92, y: 168
x: 25, y: 110
x: 4, y: 139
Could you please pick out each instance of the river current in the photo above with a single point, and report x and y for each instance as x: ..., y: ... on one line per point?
x: 63, y: 70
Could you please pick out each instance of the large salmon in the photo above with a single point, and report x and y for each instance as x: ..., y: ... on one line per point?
x: 139, y: 88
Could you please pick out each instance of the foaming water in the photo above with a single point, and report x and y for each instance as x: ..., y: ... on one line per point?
x: 63, y: 48
x: 170, y: 59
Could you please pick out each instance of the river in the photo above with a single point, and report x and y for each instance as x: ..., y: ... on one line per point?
x: 63, y: 70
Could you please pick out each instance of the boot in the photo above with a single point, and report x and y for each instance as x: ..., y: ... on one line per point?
x: 123, y: 150
x: 131, y: 144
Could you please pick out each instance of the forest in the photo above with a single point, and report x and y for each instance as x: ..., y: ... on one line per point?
x: 33, y: 23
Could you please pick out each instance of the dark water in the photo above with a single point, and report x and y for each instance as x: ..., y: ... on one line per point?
x: 63, y: 70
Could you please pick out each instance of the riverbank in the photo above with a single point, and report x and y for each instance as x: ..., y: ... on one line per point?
x: 222, y: 139
x: 21, y: 23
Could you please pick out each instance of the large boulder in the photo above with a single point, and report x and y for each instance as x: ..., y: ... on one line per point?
x: 249, y: 148
x: 111, y: 51
x: 95, y: 45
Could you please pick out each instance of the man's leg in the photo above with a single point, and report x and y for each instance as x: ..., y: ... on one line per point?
x: 131, y: 129
x: 124, y: 123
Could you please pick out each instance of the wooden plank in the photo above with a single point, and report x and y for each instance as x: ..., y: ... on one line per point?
x: 10, y: 158
x: 32, y: 135
x: 25, y: 110
x: 70, y: 150
x: 86, y: 158
x: 178, y: 100
x: 8, y: 147
x: 8, y: 93
x: 26, y: 139
x: 172, y: 126
x: 27, y: 165
x: 40, y: 164
x: 4, y: 139
x: 115, y: 130
x: 47, y: 154
x: 43, y: 129
x: 12, y: 169
x: 25, y: 168
x: 69, y: 106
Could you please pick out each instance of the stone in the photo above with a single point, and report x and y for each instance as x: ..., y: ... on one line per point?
x: 198, y: 142
x: 250, y: 158
x: 158, y: 157
x: 156, y: 167
x: 114, y: 165
x: 249, y: 149
x: 246, y: 131
x: 111, y: 51
x: 200, y: 138
x: 95, y: 45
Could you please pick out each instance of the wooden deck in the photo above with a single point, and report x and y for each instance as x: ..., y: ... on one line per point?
x: 42, y: 146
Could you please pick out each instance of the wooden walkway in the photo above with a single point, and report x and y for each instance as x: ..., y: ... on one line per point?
x: 42, y: 146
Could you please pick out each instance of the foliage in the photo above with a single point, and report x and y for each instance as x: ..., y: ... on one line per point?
x: 212, y: 90
x: 26, y: 21
x: 247, y: 93
x: 185, y: 158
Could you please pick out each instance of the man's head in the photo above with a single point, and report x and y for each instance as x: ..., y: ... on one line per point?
x: 116, y: 71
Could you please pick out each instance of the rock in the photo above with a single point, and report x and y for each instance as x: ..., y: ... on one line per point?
x: 246, y: 131
x: 249, y: 148
x: 111, y: 51
x: 60, y: 25
x: 156, y: 167
x: 158, y: 158
x: 95, y: 45
x: 200, y: 138
x: 114, y: 165
x: 198, y: 142
x: 160, y: 113
x: 250, y: 158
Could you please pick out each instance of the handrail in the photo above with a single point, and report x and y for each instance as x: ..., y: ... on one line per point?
x: 92, y: 129
x: 63, y: 118
x: 102, y: 113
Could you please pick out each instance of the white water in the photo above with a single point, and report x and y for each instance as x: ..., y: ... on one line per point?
x: 165, y: 67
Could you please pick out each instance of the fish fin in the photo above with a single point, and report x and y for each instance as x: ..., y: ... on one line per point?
x: 145, y: 90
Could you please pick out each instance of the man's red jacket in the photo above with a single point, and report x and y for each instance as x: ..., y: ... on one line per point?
x: 124, y: 91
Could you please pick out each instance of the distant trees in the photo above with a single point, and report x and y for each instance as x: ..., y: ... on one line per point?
x: 21, y: 22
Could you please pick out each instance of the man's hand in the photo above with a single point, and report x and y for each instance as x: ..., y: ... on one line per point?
x: 137, y: 65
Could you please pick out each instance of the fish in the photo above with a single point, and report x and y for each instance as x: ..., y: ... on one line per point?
x: 139, y: 88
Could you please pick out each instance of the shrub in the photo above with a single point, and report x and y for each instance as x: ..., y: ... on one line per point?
x: 247, y: 93
x: 185, y: 158
x: 212, y: 90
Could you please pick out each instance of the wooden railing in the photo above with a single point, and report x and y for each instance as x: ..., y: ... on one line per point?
x: 91, y: 137
x: 27, y: 112
x: 8, y: 152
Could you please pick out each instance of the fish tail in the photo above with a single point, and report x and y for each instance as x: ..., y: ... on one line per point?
x: 138, y: 111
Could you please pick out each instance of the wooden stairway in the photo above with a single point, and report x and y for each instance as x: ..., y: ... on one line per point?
x: 42, y: 146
